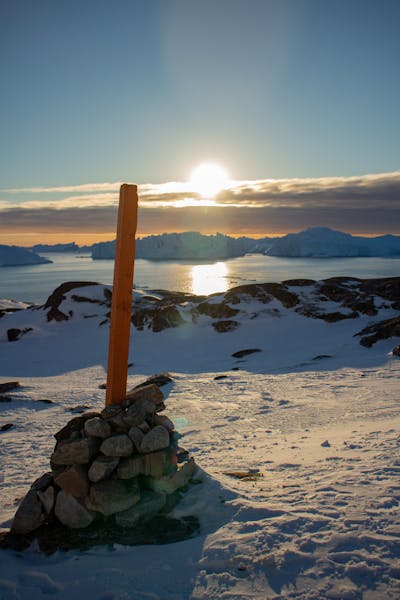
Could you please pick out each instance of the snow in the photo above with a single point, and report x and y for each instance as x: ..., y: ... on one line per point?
x: 316, y: 242
x: 322, y: 242
x: 187, y: 245
x: 14, y: 255
x: 314, y: 418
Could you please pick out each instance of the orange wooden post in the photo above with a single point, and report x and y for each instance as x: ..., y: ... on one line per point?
x: 121, y: 306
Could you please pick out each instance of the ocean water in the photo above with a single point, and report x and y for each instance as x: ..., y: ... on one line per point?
x: 34, y: 283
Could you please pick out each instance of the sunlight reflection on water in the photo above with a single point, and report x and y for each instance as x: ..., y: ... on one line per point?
x: 208, y: 279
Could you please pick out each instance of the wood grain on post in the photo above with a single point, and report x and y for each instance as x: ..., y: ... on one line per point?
x: 118, y: 349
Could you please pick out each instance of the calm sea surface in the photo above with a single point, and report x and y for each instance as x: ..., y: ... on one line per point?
x: 35, y: 283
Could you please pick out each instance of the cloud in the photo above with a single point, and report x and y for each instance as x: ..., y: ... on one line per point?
x: 364, y: 204
x: 367, y: 191
x: 84, y: 187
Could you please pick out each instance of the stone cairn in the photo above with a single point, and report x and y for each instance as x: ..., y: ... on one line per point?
x: 122, y: 463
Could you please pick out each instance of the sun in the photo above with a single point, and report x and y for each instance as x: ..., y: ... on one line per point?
x: 208, y: 178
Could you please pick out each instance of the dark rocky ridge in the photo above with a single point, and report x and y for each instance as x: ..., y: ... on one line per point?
x: 331, y: 300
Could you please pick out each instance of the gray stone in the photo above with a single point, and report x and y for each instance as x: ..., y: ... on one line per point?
x: 118, y: 423
x: 168, y: 485
x: 72, y: 512
x: 47, y: 499
x: 42, y: 482
x: 97, y: 427
x: 74, y: 480
x: 117, y: 445
x: 29, y: 515
x: 130, y: 467
x: 102, y: 467
x: 150, y: 504
x: 77, y: 452
x: 74, y: 424
x: 112, y: 496
x: 164, y: 421
x: 137, y: 412
x: 136, y: 436
x: 159, y: 379
x: 148, y: 392
x: 156, y: 439
x: 144, y: 427
x: 111, y: 410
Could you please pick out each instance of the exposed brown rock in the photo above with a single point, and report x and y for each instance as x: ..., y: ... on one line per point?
x: 379, y: 331
x: 145, y: 392
x: 225, y: 326
x: 8, y: 386
x: 217, y: 310
x: 158, y: 318
x: 14, y: 334
x: 263, y: 292
x: 6, y: 426
x: 55, y: 299
x: 74, y: 480
x: 160, y: 379
x: 78, y: 452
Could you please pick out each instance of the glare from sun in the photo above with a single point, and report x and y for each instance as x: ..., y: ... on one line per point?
x: 208, y: 179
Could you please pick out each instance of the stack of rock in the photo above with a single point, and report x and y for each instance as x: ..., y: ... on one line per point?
x: 121, y: 463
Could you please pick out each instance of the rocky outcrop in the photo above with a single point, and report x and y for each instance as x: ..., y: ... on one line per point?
x: 14, y: 333
x: 225, y: 326
x: 121, y: 464
x: 331, y: 300
x: 8, y: 386
x: 379, y: 331
x: 58, y: 296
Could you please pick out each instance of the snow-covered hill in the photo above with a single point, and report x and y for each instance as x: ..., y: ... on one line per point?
x: 287, y: 396
x: 14, y: 255
x: 323, y: 242
x: 315, y: 242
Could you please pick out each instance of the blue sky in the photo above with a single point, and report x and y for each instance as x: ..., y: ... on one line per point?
x: 129, y: 90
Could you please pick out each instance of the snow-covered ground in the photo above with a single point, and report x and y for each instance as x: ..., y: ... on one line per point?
x: 313, y: 418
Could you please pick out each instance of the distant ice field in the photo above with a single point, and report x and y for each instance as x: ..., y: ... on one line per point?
x: 34, y: 283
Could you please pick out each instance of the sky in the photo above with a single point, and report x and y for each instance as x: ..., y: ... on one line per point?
x: 296, y: 99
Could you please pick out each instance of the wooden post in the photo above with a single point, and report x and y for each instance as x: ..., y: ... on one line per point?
x: 121, y: 306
